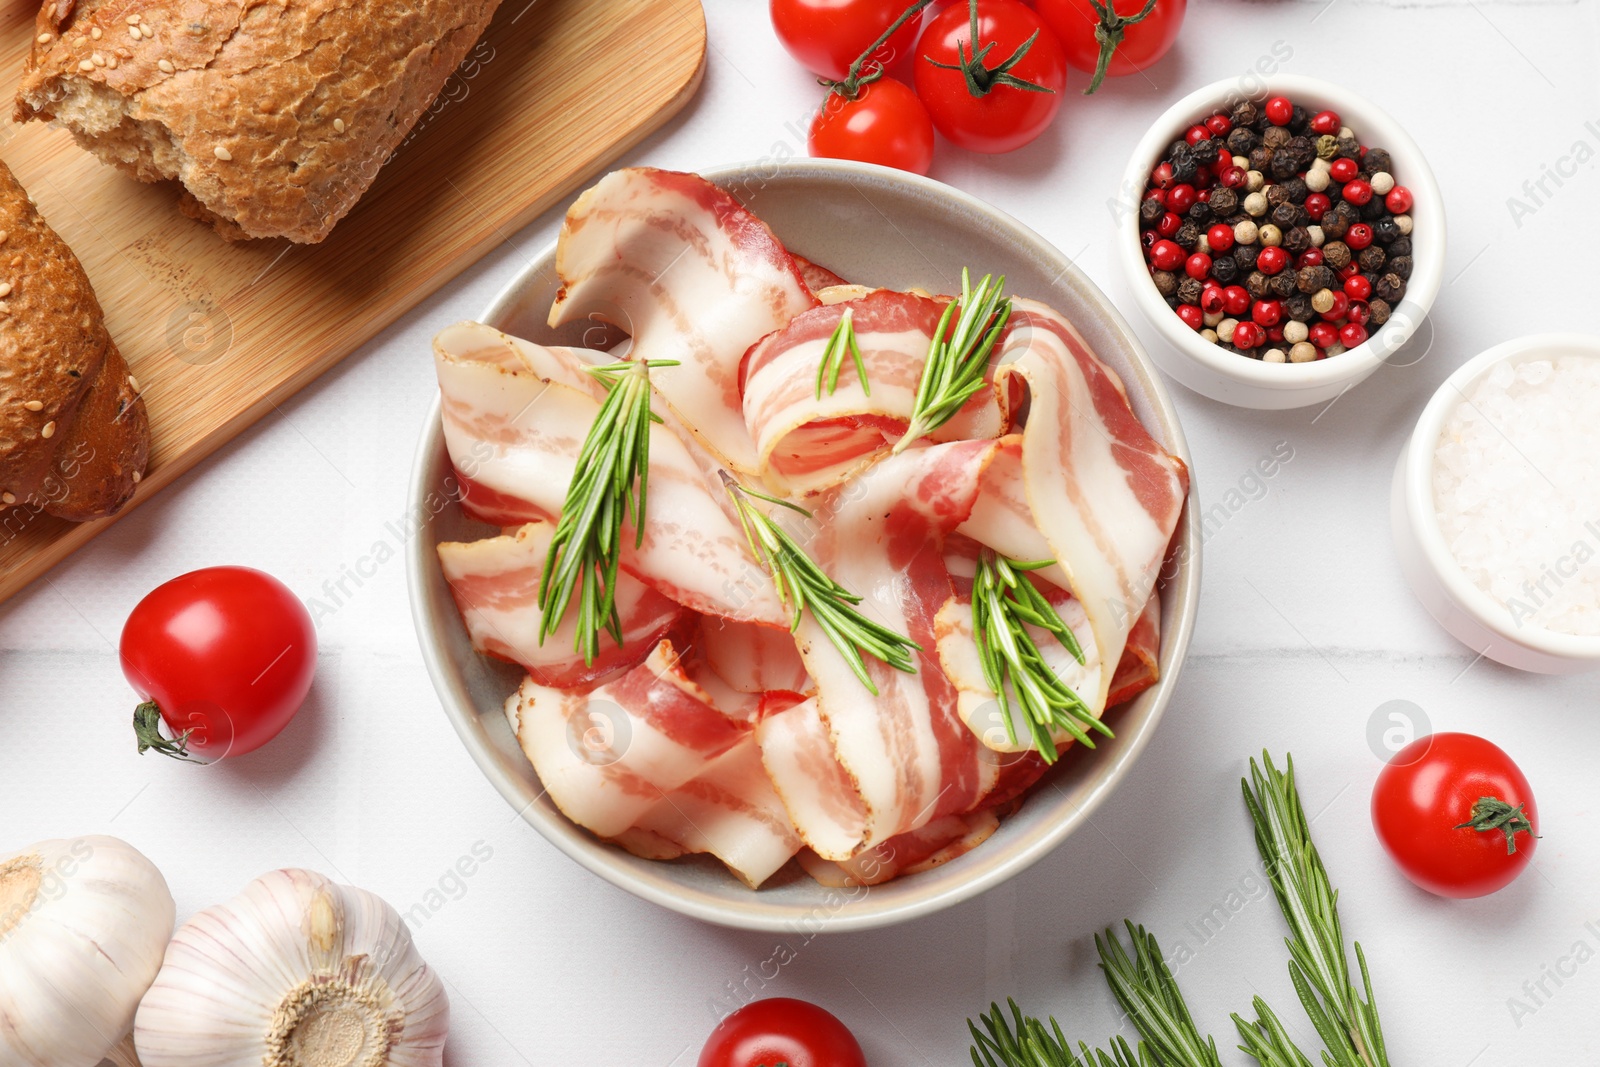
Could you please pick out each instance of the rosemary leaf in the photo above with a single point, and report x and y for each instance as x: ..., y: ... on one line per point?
x: 958, y: 356
x: 1266, y: 1041
x: 609, y: 484
x: 1150, y: 995
x: 1023, y: 1041
x: 1318, y: 966
x: 803, y: 586
x: 1003, y: 603
x: 840, y: 342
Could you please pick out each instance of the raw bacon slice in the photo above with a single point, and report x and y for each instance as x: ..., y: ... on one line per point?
x: 905, y: 754
x: 690, y: 275
x: 1104, y: 493
x: 730, y: 811
x: 815, y: 275
x: 514, y: 440
x: 753, y: 659
x: 804, y: 443
x: 1141, y: 660
x: 473, y: 342
x: 495, y: 583
x: 606, y: 757
x: 913, y: 852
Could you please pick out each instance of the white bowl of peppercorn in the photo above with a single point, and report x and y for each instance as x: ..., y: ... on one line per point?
x: 1284, y: 244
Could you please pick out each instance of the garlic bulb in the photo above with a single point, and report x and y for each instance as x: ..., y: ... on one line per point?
x: 294, y: 972
x: 82, y: 927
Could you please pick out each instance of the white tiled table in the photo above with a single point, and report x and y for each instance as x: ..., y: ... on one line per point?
x: 1305, y: 631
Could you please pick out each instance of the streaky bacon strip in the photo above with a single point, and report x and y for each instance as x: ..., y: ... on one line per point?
x: 822, y: 800
x: 940, y: 841
x: 805, y: 444
x: 905, y: 754
x: 495, y: 583
x: 753, y: 659
x: 1105, y: 494
x: 606, y: 757
x: 1141, y: 660
x: 690, y: 275
x: 514, y: 438
x: 815, y: 275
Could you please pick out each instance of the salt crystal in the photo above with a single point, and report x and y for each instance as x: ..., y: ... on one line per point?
x: 1516, y: 484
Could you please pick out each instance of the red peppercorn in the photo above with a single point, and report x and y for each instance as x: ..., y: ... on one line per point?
x: 1212, y: 301
x: 1191, y: 316
x: 1203, y: 196
x: 1272, y: 259
x: 1224, y: 159
x: 1180, y: 198
x: 1326, y: 122
x: 1317, y: 205
x: 1357, y: 287
x: 1148, y: 239
x: 1275, y: 333
x: 1158, y: 195
x: 1399, y: 200
x: 1267, y: 312
x: 1359, y: 235
x: 1358, y: 192
x: 1234, y: 178
x: 1322, y: 334
x: 1198, y: 266
x: 1353, y: 334
x: 1280, y: 110
x: 1341, y: 304
x: 1311, y: 257
x: 1340, y: 170
x: 1161, y: 177
x: 1238, y: 299
x: 1348, y: 271
x: 1360, y: 313
x: 1204, y: 176
x: 1197, y: 134
x: 1170, y: 223
x: 1220, y: 237
x: 1166, y: 255
x: 1219, y: 125
x: 1248, y: 335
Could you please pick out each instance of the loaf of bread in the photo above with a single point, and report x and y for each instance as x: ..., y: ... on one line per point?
x: 275, y: 116
x: 73, y: 432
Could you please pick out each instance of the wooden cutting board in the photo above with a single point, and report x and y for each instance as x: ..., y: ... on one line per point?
x: 219, y: 334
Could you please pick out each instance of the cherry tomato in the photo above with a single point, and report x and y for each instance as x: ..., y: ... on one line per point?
x: 1142, y: 44
x: 1433, y: 807
x: 826, y: 36
x: 886, y: 123
x: 226, y: 656
x: 1005, y: 117
x: 781, y: 1031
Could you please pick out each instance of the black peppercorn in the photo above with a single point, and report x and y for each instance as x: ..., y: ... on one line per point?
x: 1349, y: 148
x: 1244, y: 113
x: 1225, y: 270
x: 1257, y: 285
x: 1283, y: 284
x: 1150, y: 211
x: 1295, y: 189
x: 1188, y: 236
x: 1244, y: 257
x: 1298, y: 307
x: 1282, y: 167
x: 1372, y: 258
x: 1391, y: 287
x: 1224, y: 201
x: 1185, y: 170
x: 1380, y: 311
x: 1172, y: 302
x: 1275, y: 194
x: 1385, y: 230
x: 1178, y: 150
x: 1166, y: 282
x: 1276, y: 137
x: 1285, y: 215
x: 1298, y: 119
x: 1315, y: 279
x: 1400, y: 265
x: 1260, y: 158
x: 1400, y: 246
x: 1334, y: 226
x: 1376, y: 160
x: 1200, y: 214
x: 1373, y: 210
x: 1189, y: 290
x: 1241, y: 139
x: 1336, y: 254
x: 1296, y: 239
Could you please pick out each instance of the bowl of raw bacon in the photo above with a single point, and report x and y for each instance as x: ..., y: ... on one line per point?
x: 801, y: 544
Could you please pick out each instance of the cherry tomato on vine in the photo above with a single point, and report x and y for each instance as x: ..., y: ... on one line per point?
x: 886, y: 124
x: 781, y: 1031
x: 223, y: 655
x: 826, y: 36
x: 1456, y: 815
x: 1018, y: 69
x: 1131, y: 39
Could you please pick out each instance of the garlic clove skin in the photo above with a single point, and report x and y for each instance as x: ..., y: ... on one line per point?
x: 296, y: 971
x: 83, y: 923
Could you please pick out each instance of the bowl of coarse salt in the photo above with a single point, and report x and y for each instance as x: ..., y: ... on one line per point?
x: 1496, y: 504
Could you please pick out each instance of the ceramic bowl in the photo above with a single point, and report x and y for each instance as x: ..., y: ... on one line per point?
x: 1471, y: 615
x: 872, y: 225
x: 1227, y: 376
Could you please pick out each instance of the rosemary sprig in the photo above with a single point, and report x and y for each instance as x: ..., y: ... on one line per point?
x: 840, y: 342
x: 954, y: 370
x: 803, y: 585
x: 1347, y: 1023
x: 609, y: 485
x: 1266, y: 1041
x: 1022, y: 1041
x: 1004, y: 601
x: 1145, y: 988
